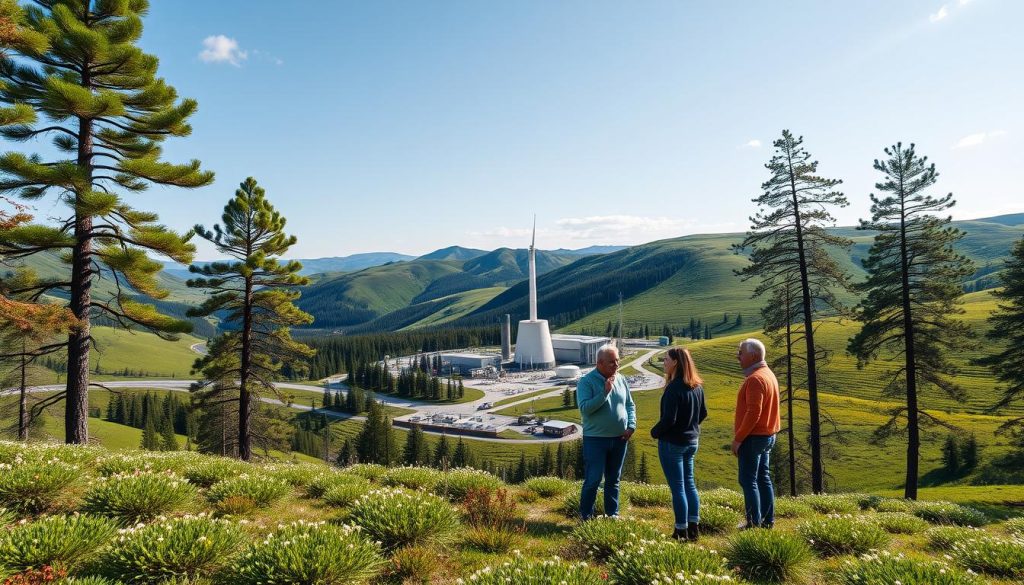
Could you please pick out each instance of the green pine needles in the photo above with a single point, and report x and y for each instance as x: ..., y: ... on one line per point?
x: 255, y: 293
x: 70, y: 71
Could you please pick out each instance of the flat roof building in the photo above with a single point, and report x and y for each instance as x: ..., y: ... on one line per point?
x: 577, y: 349
x: 464, y: 362
x: 558, y: 428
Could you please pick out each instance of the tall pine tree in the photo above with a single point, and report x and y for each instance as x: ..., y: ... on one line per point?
x: 72, y: 72
x: 789, y: 242
x: 912, y: 292
x: 1007, y: 330
x: 255, y: 294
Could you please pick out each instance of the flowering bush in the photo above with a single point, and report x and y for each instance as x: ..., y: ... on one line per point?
x: 663, y: 561
x: 1015, y: 526
x: 343, y: 496
x: 882, y: 504
x: 604, y: 535
x: 494, y: 519
x: 63, y: 542
x: 36, y: 576
x: 186, y: 547
x: 716, y: 519
x: 414, y: 478
x: 647, y: 495
x: 302, y: 552
x: 520, y: 571
x: 885, y: 567
x: 398, y: 518
x: 792, y: 508
x: 455, y: 484
x: 832, y: 503
x: 990, y: 555
x: 138, y: 497
x: 725, y: 498
x: 900, y: 522
x: 207, y: 472
x: 319, y: 484
x: 942, y: 538
x: 294, y: 474
x: 261, y: 489
x: 35, y: 487
x: 123, y: 463
x: 840, y: 535
x: 949, y: 513
x: 414, y: 564
x: 547, y: 487
x: 370, y: 471
x: 769, y: 556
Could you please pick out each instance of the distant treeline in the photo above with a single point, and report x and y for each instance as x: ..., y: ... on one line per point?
x: 336, y: 354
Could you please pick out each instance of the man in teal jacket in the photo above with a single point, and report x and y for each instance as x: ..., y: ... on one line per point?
x: 609, y: 419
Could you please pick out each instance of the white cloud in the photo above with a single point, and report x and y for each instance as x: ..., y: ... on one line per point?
x: 964, y: 2
x: 755, y: 143
x: 941, y: 14
x: 620, y: 228
x: 502, y: 232
x: 222, y: 49
x: 978, y: 138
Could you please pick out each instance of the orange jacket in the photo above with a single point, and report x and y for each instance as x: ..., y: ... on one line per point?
x: 757, y: 405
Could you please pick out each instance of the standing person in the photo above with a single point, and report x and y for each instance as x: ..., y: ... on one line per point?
x: 609, y: 420
x: 755, y: 425
x: 678, y: 431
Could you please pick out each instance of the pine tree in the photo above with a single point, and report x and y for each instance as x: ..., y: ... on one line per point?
x: 442, y: 453
x: 347, y: 455
x: 566, y: 398
x: 643, y: 474
x: 416, y: 452
x: 462, y: 456
x: 969, y: 453
x: 951, y: 455
x: 779, y: 315
x: 789, y: 243
x: 150, y: 438
x: 913, y: 290
x: 1007, y: 330
x: 255, y: 293
x: 168, y: 440
x: 522, y: 473
x: 73, y: 72
x: 547, y: 461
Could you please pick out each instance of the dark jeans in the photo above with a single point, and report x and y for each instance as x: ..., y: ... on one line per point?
x: 755, y: 479
x: 602, y: 458
x: 677, y: 463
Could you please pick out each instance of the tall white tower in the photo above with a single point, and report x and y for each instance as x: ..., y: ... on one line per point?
x: 533, y: 341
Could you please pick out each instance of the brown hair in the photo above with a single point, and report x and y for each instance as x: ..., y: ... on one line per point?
x: 685, y: 367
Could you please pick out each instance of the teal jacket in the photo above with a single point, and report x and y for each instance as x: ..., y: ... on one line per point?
x: 605, y: 415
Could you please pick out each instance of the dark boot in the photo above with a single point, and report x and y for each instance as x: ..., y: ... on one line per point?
x: 692, y: 532
x: 679, y: 534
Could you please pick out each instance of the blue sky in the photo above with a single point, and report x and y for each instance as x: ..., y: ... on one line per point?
x: 408, y: 126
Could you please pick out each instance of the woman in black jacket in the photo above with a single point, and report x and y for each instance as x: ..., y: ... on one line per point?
x: 678, y: 431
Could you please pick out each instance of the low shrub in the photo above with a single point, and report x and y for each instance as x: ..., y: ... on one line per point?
x: 7, y: 516
x: 841, y: 535
x: 950, y: 513
x: 37, y: 576
x: 413, y: 565
x: 235, y: 506
x: 138, y: 497
x: 571, y: 503
x: 302, y: 552
x: 900, y: 523
x: 398, y: 518
x: 725, y: 498
x: 321, y: 483
x: 832, y: 503
x: 990, y: 555
x: 658, y: 561
x: 495, y: 509
x: 456, y: 483
x: 35, y: 487
x: 647, y: 495
x: 525, y: 572
x: 768, y: 556
x: 942, y: 538
x: 64, y: 542
x: 123, y: 463
x: 413, y: 478
x: 887, y: 568
x: 344, y: 495
x: 548, y: 487
x: 493, y: 540
x: 1015, y: 526
x: 263, y: 490
x: 179, y: 548
x: 792, y: 508
x: 207, y: 472
x: 715, y: 519
x: 295, y: 474
x: 370, y: 471
x: 892, y: 505
x: 90, y: 580
x: 600, y: 537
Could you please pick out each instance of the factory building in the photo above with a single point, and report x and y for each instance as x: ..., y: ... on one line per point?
x: 577, y: 349
x: 464, y: 362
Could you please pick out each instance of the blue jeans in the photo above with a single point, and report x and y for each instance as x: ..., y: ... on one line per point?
x: 677, y: 463
x: 755, y: 479
x: 602, y: 458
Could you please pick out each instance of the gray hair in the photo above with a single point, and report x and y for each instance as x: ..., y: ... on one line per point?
x: 754, y: 346
x: 606, y: 349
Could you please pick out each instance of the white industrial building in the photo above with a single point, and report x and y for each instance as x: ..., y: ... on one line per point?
x: 568, y: 372
x: 464, y: 362
x: 533, y: 341
x: 577, y: 349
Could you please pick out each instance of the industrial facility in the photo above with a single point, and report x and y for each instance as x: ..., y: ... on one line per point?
x: 577, y: 349
x: 533, y: 341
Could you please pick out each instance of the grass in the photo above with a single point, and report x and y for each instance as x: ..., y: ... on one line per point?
x: 523, y: 396
x: 466, y: 303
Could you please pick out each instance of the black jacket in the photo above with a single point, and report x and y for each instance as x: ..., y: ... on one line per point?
x: 682, y: 411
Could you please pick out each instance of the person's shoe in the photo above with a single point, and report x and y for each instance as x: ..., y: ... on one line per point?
x: 767, y: 525
x: 692, y: 532
x: 679, y: 534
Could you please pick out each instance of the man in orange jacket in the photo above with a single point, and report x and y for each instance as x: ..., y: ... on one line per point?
x: 754, y: 427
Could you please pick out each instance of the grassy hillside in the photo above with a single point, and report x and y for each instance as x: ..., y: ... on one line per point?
x: 270, y: 522
x: 463, y: 304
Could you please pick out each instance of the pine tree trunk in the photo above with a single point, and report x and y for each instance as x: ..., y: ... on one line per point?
x: 76, y: 399
x: 789, y: 396
x: 913, y: 431
x: 23, y: 398
x: 817, y: 473
x: 244, y: 397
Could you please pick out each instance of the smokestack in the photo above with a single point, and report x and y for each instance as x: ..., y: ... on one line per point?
x: 506, y: 339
